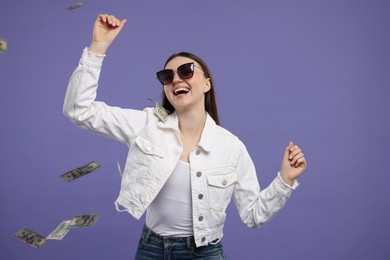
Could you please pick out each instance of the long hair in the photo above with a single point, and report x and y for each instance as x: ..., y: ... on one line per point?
x: 210, y: 101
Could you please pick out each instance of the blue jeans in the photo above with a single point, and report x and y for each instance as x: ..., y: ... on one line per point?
x: 155, y: 247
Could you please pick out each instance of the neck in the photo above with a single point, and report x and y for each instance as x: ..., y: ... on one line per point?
x: 191, y: 123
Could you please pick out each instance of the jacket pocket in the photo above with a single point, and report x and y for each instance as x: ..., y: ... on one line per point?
x: 150, y: 147
x: 220, y: 188
x: 144, y: 159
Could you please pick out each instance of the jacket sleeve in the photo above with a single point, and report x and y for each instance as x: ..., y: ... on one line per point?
x: 82, y: 109
x: 255, y: 206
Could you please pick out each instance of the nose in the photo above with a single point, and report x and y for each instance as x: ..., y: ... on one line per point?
x: 176, y: 78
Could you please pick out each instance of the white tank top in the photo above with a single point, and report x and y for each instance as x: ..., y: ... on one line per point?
x: 170, y: 213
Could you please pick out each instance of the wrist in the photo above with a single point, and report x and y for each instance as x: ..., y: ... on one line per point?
x: 286, y: 179
x: 99, y: 48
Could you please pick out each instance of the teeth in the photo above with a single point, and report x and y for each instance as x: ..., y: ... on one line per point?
x: 181, y: 90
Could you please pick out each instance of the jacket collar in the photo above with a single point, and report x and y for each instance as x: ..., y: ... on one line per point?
x: 208, y: 133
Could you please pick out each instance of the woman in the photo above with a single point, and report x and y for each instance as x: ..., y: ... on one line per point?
x: 182, y: 168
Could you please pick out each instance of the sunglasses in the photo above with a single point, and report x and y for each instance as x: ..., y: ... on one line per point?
x: 185, y: 71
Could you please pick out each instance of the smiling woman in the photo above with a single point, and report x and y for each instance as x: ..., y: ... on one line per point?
x: 182, y: 170
x: 184, y: 73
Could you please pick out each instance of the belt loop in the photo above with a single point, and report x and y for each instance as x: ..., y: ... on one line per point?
x: 146, y: 239
x: 189, y: 243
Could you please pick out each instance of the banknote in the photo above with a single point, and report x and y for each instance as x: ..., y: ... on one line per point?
x: 119, y: 168
x: 75, y: 6
x: 3, y: 45
x: 81, y: 171
x: 30, y: 237
x: 159, y: 110
x: 60, y: 232
x: 84, y: 220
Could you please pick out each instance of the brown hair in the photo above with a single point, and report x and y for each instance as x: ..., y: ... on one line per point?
x: 210, y: 101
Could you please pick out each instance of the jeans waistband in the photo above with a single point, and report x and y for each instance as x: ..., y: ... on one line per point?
x: 148, y: 236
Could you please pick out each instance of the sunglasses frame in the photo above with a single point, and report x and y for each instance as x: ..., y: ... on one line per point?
x: 160, y: 74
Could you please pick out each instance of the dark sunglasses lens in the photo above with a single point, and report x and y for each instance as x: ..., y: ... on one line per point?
x: 165, y: 76
x: 186, y: 71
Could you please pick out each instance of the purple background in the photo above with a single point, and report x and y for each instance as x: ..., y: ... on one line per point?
x: 316, y: 72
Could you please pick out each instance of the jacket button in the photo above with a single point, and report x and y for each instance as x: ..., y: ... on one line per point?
x: 200, y: 218
x: 198, y: 174
x: 203, y: 239
x: 200, y: 196
x: 224, y: 182
x: 148, y: 148
x: 197, y: 152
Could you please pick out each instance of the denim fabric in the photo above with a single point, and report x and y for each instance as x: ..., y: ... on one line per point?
x: 155, y: 247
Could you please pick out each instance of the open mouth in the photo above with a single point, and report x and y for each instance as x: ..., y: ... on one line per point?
x: 181, y: 91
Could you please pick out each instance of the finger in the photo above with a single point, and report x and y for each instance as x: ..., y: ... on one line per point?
x: 109, y: 19
x: 293, y: 147
x: 294, y: 153
x: 287, y: 150
x: 296, y: 158
x: 122, y: 22
x: 301, y: 162
x: 112, y: 20
x: 103, y: 18
x: 115, y: 21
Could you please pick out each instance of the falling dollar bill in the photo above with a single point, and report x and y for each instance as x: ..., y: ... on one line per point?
x: 30, y: 237
x: 119, y: 168
x: 84, y: 221
x: 75, y: 6
x: 3, y: 45
x: 60, y: 232
x: 81, y: 171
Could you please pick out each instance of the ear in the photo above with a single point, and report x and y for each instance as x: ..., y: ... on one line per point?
x: 207, y: 86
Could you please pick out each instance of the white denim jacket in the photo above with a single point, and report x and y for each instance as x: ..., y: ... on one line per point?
x: 220, y: 165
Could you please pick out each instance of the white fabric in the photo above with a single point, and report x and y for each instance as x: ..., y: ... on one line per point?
x: 170, y: 213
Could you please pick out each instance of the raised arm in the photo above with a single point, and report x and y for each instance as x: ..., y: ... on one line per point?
x: 80, y: 105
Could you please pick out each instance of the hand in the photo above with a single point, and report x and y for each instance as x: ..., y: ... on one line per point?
x: 105, y: 30
x: 293, y: 164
